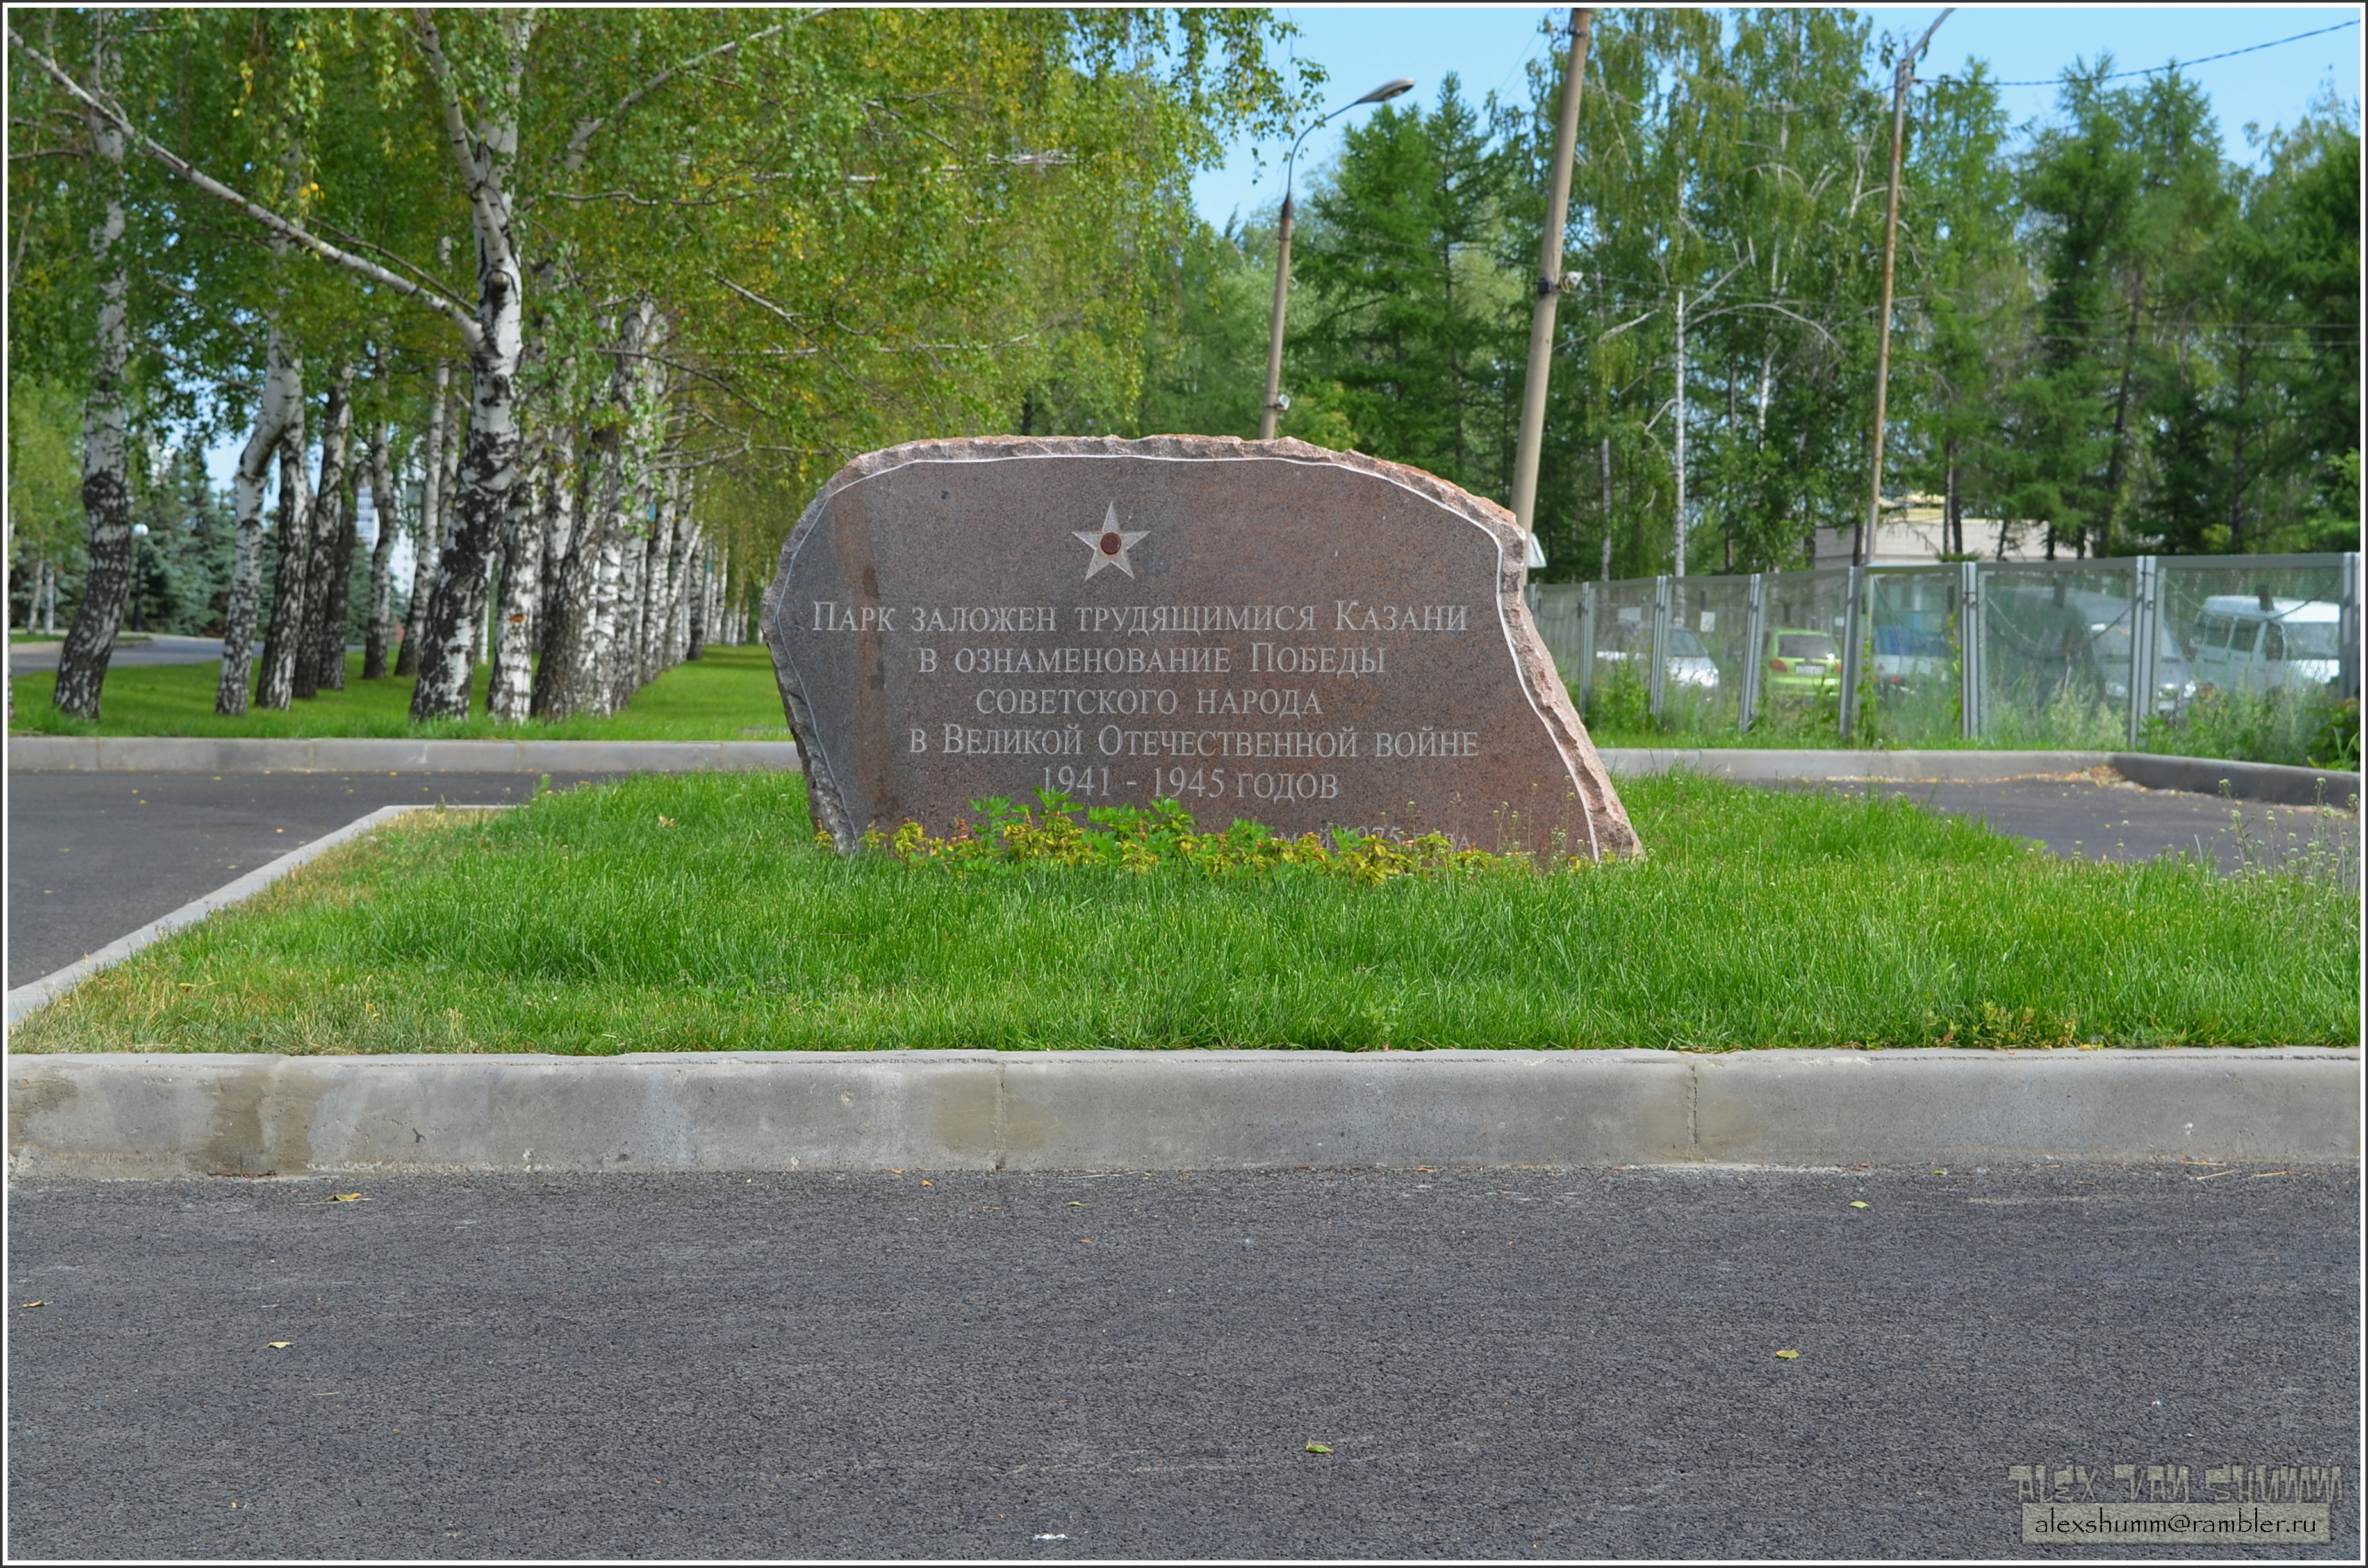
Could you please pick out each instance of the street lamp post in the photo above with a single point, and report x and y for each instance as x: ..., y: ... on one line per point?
x: 1275, y: 402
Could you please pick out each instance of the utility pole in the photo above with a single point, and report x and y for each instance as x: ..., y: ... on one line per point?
x: 1679, y: 568
x: 1863, y: 551
x: 1271, y: 409
x: 1549, y: 284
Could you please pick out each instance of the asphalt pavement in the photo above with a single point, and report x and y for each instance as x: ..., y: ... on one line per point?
x: 1513, y: 1364
x: 95, y: 855
x: 150, y: 648
x: 2121, y: 821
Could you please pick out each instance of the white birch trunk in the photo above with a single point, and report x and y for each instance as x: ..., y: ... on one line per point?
x: 489, y: 462
x: 322, y: 597
x: 276, y: 681
x: 510, y: 696
x: 428, y: 533
x: 283, y: 398
x: 381, y: 629
x: 106, y: 489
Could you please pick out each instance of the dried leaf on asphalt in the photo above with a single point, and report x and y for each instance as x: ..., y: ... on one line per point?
x: 33, y: 1303
x: 1788, y: 1355
x: 1859, y: 1203
x: 1318, y: 1449
x: 1074, y: 1204
x: 345, y: 1197
x: 929, y: 1183
x: 281, y: 1344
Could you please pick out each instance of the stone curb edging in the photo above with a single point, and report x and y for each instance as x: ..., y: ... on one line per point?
x: 170, y: 1115
x: 2245, y: 781
x: 175, y: 753
x: 25, y: 998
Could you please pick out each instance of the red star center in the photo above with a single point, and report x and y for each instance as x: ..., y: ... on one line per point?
x: 1110, y: 543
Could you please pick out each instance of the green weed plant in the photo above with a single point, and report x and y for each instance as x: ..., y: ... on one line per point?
x: 1167, y: 837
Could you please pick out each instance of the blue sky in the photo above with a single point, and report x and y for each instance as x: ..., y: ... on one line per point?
x: 1362, y: 46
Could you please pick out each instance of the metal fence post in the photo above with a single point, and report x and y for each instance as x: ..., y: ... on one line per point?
x: 2347, y: 629
x: 1586, y: 645
x: 1755, y: 654
x: 1656, y: 681
x: 1969, y: 649
x: 1853, y: 656
x: 2144, y: 619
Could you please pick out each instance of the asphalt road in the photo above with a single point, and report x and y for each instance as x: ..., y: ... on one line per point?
x: 1503, y: 1363
x: 158, y: 649
x: 2125, y: 823
x: 93, y: 855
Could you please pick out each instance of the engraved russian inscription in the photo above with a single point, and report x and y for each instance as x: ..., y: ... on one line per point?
x: 1260, y: 630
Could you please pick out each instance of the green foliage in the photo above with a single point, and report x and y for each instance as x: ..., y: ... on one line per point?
x: 694, y: 912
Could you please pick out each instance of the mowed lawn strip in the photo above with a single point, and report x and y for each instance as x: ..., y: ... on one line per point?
x: 721, y: 697
x: 696, y: 912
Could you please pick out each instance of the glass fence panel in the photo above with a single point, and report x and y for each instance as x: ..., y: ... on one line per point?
x: 2259, y: 655
x: 1709, y: 642
x: 2055, y: 655
x: 1911, y: 655
x: 1618, y: 695
x: 2247, y: 655
x: 1801, y: 659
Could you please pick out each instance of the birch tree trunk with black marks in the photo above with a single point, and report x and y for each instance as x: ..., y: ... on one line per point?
x: 510, y: 697
x: 380, y: 630
x: 275, y: 683
x: 323, y: 590
x: 284, y: 399
x: 106, y: 489
x: 570, y: 682
x: 562, y: 525
x: 489, y: 459
x: 438, y: 458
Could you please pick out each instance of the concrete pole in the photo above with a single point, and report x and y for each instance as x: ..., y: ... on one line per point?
x: 1863, y: 553
x: 1271, y: 409
x: 1549, y: 283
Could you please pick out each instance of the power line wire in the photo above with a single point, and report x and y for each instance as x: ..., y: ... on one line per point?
x: 2176, y: 64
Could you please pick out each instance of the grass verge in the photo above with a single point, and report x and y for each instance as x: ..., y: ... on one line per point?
x: 696, y: 912
x: 725, y: 694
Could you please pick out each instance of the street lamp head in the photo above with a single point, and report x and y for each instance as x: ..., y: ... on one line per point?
x: 1387, y: 91
x: 139, y: 530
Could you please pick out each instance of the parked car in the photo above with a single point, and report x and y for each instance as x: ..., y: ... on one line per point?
x: 1801, y: 661
x: 2055, y: 637
x: 1906, y: 656
x: 2258, y: 642
x: 1687, y: 663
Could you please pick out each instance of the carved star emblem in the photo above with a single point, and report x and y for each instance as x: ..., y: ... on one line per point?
x: 1111, y: 544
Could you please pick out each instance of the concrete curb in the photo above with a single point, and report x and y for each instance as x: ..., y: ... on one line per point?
x: 2245, y: 781
x: 172, y: 754
x: 25, y: 998
x: 1758, y: 765
x: 165, y: 1116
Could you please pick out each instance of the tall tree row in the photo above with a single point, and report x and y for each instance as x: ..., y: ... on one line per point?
x: 2107, y: 333
x: 560, y: 291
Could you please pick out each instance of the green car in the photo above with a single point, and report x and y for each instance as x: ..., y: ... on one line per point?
x: 1800, y: 661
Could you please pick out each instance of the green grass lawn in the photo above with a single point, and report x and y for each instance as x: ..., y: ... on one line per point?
x: 696, y: 912
x: 727, y: 694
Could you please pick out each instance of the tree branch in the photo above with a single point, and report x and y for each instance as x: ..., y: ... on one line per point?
x: 589, y: 127
x: 285, y: 228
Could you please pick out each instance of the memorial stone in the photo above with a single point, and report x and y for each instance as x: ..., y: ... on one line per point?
x: 1263, y: 630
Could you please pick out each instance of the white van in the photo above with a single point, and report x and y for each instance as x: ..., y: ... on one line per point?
x: 2257, y: 643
